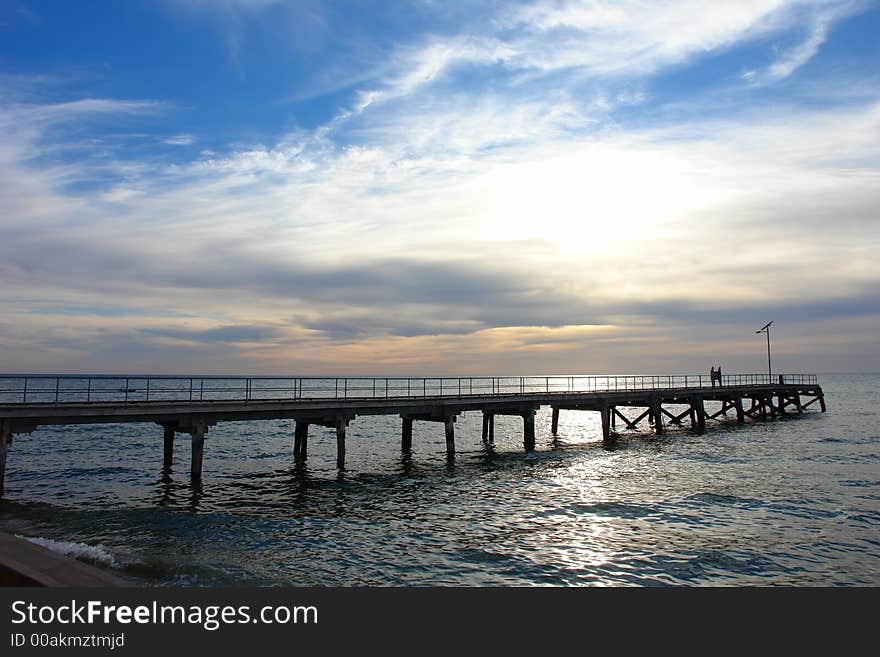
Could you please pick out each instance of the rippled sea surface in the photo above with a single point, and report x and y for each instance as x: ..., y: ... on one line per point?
x: 784, y: 502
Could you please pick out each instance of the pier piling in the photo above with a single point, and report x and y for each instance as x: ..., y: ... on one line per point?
x: 606, y: 424
x: 700, y: 411
x: 300, y: 439
x: 657, y: 409
x: 406, y: 431
x: 529, y: 430
x: 198, y: 449
x: 340, y: 443
x: 488, y: 433
x: 168, y: 452
x: 449, y: 424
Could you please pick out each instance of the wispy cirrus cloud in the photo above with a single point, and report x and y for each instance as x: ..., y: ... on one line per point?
x: 42, y: 114
x: 595, y: 40
x: 180, y: 140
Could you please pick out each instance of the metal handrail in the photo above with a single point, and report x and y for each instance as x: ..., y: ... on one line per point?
x: 72, y: 389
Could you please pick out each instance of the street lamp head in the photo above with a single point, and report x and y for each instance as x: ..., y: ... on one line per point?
x: 764, y: 328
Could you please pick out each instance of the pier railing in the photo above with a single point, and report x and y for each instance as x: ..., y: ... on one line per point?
x: 71, y: 389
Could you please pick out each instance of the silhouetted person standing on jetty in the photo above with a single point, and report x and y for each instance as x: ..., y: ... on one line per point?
x: 718, y: 375
x: 712, y: 375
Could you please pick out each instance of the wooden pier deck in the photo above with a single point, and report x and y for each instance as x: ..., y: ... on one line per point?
x: 191, y: 405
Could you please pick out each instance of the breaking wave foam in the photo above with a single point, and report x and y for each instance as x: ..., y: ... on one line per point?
x: 93, y: 554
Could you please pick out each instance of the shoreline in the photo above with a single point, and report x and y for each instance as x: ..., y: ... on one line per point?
x: 23, y: 563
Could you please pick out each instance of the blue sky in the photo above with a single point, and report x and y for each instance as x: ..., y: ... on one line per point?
x: 438, y: 187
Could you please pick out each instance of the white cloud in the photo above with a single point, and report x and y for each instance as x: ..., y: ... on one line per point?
x: 621, y: 38
x: 120, y: 195
x: 617, y: 200
x: 583, y: 219
x: 801, y: 54
x: 42, y: 114
x: 180, y: 140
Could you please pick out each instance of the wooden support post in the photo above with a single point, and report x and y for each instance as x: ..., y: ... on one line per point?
x: 168, y: 447
x: 700, y: 411
x: 740, y: 414
x: 692, y: 411
x: 554, y: 422
x: 304, y: 443
x: 605, y: 412
x: 613, y: 417
x: 301, y: 439
x: 449, y: 423
x: 485, y: 434
x: 658, y: 417
x: 492, y: 428
x: 822, y: 402
x: 406, y: 440
x: 781, y: 401
x: 529, y: 430
x: 5, y: 444
x: 198, y: 449
x: 797, y: 403
x: 340, y: 443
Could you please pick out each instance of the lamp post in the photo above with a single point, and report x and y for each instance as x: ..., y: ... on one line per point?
x: 766, y: 329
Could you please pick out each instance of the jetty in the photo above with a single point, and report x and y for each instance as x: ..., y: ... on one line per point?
x: 191, y: 405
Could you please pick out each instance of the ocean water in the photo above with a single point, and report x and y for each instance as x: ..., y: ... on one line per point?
x: 793, y: 501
